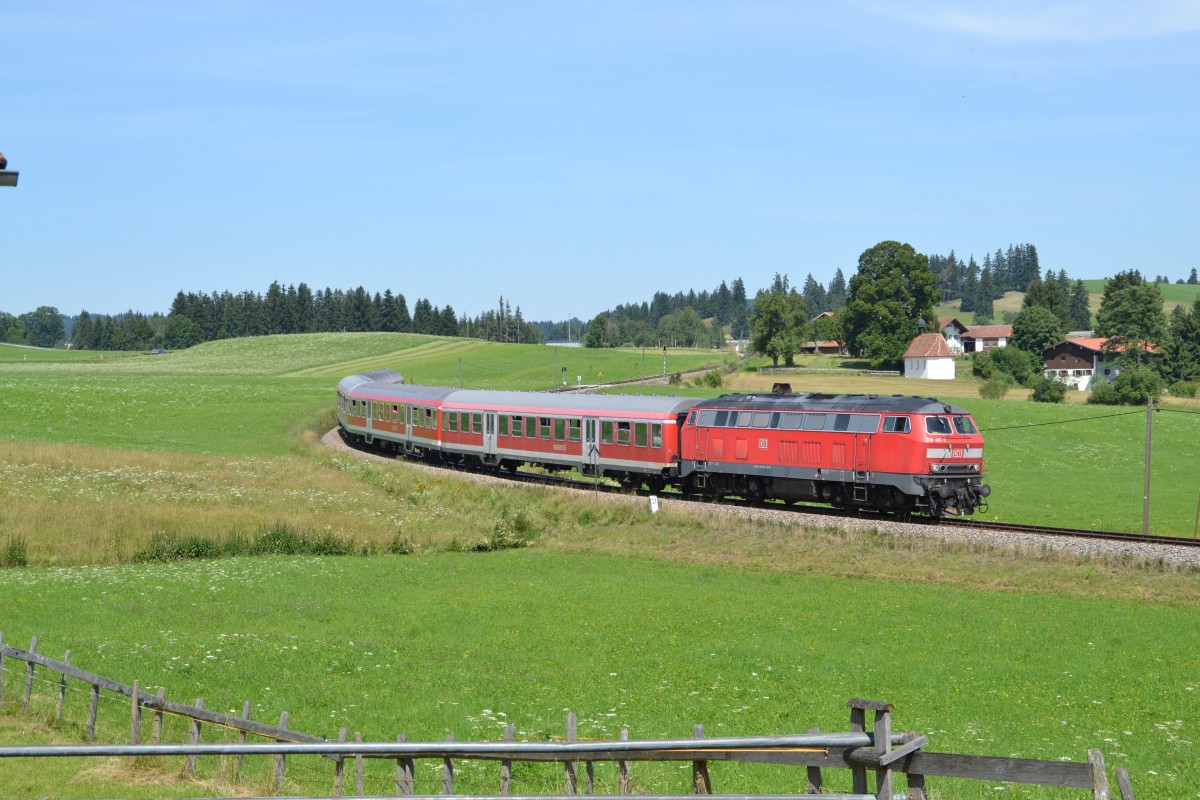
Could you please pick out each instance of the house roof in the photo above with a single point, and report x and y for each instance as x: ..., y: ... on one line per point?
x: 989, y: 331
x: 929, y: 345
x: 943, y: 322
x: 1097, y: 343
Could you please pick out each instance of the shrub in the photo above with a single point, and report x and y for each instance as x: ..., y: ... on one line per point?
x: 1103, y: 393
x: 993, y: 389
x: 1135, y: 385
x: 1048, y: 390
x: 712, y: 379
x: 1184, y: 388
x: 675, y: 379
x: 168, y: 546
x: 14, y: 553
x: 401, y: 546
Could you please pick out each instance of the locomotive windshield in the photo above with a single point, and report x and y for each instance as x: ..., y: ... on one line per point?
x: 942, y: 425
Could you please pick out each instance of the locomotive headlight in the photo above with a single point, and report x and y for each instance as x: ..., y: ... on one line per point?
x: 937, y: 468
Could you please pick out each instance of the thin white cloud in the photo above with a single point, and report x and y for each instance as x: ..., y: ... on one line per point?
x: 1081, y: 22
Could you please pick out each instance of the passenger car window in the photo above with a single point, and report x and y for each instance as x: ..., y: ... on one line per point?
x: 606, y: 433
x: 639, y: 434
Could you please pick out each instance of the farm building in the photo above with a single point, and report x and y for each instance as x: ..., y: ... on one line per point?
x: 978, y: 338
x: 1077, y: 362
x: 930, y: 358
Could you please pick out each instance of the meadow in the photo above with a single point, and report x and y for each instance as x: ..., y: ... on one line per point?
x: 655, y: 622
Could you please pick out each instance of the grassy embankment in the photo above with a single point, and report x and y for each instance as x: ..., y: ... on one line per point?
x: 749, y: 628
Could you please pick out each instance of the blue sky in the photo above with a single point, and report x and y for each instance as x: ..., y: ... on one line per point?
x: 575, y: 155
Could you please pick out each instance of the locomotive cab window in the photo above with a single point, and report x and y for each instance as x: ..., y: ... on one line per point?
x: 964, y: 425
x: 939, y: 425
x: 896, y: 424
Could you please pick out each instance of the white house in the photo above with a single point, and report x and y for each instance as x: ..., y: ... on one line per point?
x: 929, y: 357
x: 1078, y: 362
x: 953, y: 331
x: 978, y: 338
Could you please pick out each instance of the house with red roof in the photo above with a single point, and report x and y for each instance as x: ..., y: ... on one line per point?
x: 952, y: 331
x: 1079, y: 362
x: 930, y: 358
x: 978, y: 338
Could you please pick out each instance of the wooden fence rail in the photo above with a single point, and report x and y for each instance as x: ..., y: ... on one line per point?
x: 867, y: 749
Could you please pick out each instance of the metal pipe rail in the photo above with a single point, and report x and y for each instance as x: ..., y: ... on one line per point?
x: 658, y: 749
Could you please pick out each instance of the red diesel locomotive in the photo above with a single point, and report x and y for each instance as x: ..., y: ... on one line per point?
x: 894, y: 453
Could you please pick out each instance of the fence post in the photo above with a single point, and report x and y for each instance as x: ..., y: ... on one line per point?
x: 135, y: 719
x: 701, y: 784
x: 93, y: 710
x: 158, y: 715
x: 882, y: 731
x: 448, y: 770
x: 358, y: 765
x: 237, y: 764
x: 569, y: 766
x: 404, y: 771
x: 193, y: 738
x: 29, y: 677
x: 1123, y: 784
x: 916, y: 781
x: 1099, y: 776
x: 815, y: 779
x: 506, y: 764
x: 339, y: 767
x: 858, y: 724
x: 623, y: 766
x: 280, y: 760
x: 62, y: 690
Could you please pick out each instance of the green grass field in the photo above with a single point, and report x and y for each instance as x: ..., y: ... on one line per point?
x: 655, y: 622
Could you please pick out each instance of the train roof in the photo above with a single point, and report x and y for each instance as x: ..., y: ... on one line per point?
x: 385, y: 376
x: 556, y: 402
x: 878, y: 404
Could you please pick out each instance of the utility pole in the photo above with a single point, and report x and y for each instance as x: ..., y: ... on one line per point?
x: 1146, y: 490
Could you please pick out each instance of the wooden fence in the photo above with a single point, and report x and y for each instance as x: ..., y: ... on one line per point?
x: 868, y: 749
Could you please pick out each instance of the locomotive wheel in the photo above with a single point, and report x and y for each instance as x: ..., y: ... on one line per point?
x: 754, y: 492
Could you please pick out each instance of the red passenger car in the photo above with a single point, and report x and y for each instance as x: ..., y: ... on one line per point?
x: 634, y: 440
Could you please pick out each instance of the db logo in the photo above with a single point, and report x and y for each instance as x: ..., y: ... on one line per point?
x: 762, y: 444
x: 957, y: 452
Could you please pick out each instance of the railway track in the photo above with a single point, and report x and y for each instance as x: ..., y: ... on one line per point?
x: 968, y: 525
